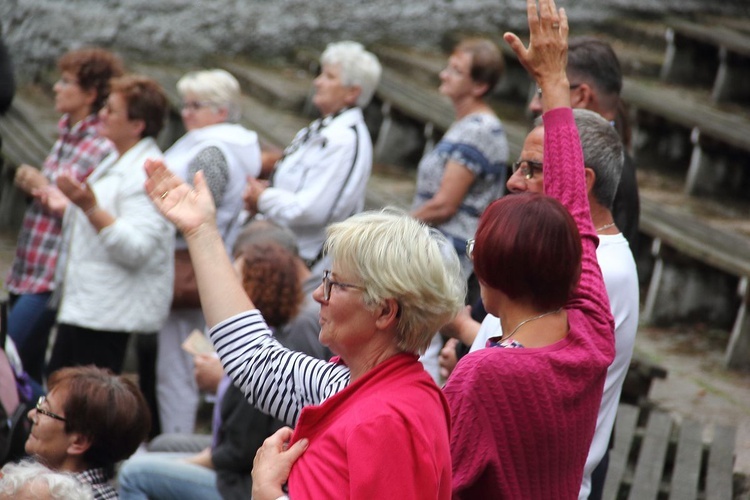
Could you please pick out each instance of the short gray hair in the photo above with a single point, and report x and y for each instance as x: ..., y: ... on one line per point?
x: 359, y: 68
x: 216, y: 86
x: 400, y: 258
x: 603, y: 153
x: 33, y: 478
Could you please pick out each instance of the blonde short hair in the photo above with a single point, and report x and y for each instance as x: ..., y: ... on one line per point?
x: 398, y: 257
x: 216, y: 86
x: 359, y: 68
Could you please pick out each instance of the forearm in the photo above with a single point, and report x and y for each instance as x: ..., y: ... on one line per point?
x: 435, y: 211
x: 99, y: 218
x: 220, y: 290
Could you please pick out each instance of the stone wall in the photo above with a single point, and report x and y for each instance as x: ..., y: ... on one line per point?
x: 38, y: 31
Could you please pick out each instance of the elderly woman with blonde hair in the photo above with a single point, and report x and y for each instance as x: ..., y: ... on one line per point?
x: 227, y: 154
x: 371, y: 422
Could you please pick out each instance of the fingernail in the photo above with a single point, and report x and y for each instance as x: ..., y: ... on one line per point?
x: 305, y: 442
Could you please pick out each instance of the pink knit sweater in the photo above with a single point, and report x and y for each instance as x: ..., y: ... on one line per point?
x: 522, y: 419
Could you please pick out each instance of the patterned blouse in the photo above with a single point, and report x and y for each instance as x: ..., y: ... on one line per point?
x: 478, y: 142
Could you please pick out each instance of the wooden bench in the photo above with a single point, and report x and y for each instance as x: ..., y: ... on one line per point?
x: 710, y: 141
x: 712, y: 288
x: 402, y: 97
x: 255, y: 115
x: 712, y: 55
x: 655, y: 458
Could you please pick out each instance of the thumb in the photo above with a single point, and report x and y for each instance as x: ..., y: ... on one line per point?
x: 199, y: 183
x: 515, y: 43
x: 297, y: 449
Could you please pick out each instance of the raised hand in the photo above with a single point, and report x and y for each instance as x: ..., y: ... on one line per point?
x: 547, y: 54
x: 188, y: 208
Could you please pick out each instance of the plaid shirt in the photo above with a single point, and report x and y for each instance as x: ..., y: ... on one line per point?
x: 97, y: 479
x: 77, y: 151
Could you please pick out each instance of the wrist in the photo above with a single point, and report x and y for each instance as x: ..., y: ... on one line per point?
x: 91, y: 211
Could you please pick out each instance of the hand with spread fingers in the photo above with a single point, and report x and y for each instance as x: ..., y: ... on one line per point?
x: 273, y: 463
x: 188, y: 208
x: 546, y: 57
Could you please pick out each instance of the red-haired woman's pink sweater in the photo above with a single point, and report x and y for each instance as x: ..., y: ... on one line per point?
x: 522, y: 419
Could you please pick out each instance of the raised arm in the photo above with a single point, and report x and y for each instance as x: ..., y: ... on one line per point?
x: 274, y: 379
x: 193, y: 212
x: 546, y: 57
x: 546, y: 60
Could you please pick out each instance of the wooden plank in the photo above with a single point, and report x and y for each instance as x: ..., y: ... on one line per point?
x: 684, y: 109
x: 720, y: 464
x: 726, y: 251
x: 718, y: 36
x: 627, y: 418
x: 650, y: 466
x: 687, y: 467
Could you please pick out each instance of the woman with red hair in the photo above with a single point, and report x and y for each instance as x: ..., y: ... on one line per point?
x: 523, y: 411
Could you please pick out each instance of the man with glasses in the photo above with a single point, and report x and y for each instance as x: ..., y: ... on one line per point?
x: 89, y: 421
x: 596, y: 82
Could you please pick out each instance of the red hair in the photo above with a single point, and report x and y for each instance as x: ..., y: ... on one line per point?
x: 528, y: 246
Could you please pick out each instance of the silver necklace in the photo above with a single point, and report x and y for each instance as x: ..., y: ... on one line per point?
x: 605, y: 226
x: 504, y: 338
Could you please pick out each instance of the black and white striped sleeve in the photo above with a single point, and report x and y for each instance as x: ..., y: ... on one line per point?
x: 274, y: 379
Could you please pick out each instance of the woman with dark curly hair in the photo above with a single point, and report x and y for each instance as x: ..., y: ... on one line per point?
x: 80, y: 93
x: 269, y: 278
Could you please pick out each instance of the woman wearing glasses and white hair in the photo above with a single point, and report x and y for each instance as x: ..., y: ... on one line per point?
x: 322, y: 175
x: 371, y: 422
x: 89, y: 421
x: 227, y: 154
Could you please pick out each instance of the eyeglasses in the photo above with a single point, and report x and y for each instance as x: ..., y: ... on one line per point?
x: 196, y: 105
x: 39, y: 409
x: 528, y: 167
x: 328, y: 284
x: 470, y: 248
x: 572, y: 87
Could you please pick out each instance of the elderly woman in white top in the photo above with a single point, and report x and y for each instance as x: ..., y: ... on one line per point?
x: 227, y: 154
x: 322, y: 175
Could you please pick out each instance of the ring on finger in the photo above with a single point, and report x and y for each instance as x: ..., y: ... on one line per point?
x: 164, y: 194
x: 555, y: 26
